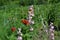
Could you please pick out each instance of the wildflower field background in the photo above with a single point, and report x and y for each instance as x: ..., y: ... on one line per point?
x: 13, y: 11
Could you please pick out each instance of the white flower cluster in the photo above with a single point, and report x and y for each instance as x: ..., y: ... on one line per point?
x: 51, y: 31
x: 30, y: 16
x: 31, y: 29
x: 19, y: 34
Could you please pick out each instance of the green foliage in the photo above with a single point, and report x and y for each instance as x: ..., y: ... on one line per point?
x: 28, y: 2
x: 12, y: 10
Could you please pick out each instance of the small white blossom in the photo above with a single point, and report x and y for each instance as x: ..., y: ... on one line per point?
x: 52, y: 38
x: 32, y: 22
x: 52, y: 34
x: 51, y: 30
x: 29, y: 21
x: 19, y: 31
x: 31, y: 29
x: 52, y: 27
x: 19, y: 38
x: 21, y: 34
x: 30, y: 8
x: 51, y: 24
x: 29, y: 12
x: 32, y: 14
x: 30, y: 17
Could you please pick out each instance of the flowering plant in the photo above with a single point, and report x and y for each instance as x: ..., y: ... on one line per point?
x: 26, y: 22
x: 13, y: 29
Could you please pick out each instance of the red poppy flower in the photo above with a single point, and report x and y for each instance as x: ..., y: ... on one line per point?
x: 26, y: 22
x: 13, y: 29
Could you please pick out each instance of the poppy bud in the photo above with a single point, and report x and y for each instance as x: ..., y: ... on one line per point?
x: 13, y: 29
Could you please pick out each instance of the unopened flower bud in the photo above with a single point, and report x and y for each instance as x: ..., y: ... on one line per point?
x: 32, y: 22
x: 31, y: 29
x: 51, y: 24
x: 21, y: 34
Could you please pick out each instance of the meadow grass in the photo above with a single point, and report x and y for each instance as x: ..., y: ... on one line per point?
x: 11, y: 15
